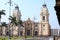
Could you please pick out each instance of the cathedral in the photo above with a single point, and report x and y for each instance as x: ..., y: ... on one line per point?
x: 30, y: 27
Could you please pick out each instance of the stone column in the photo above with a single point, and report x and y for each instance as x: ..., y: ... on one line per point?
x: 24, y: 32
x: 32, y: 29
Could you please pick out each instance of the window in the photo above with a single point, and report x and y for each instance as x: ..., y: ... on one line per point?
x: 28, y: 32
x: 28, y: 24
x: 43, y: 25
x: 36, y: 25
x: 36, y: 33
x: 21, y: 33
x: 43, y: 17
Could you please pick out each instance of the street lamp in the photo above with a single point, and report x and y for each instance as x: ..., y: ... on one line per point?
x: 10, y: 4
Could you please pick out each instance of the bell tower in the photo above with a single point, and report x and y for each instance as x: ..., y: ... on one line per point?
x: 44, y: 14
x: 44, y: 28
x: 17, y: 13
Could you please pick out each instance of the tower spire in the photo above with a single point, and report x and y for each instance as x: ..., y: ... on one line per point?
x: 44, y: 26
x: 44, y: 2
x: 16, y: 7
x: 44, y: 5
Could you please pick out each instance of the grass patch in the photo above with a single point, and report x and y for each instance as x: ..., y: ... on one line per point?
x: 20, y: 36
x: 13, y: 37
x: 16, y: 37
x: 28, y: 36
x: 3, y: 38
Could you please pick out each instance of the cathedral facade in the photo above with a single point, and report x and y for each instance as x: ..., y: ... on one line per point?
x: 30, y: 27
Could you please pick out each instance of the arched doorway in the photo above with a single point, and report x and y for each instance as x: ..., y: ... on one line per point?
x: 28, y: 32
x: 36, y: 33
x: 7, y: 33
x: 21, y: 33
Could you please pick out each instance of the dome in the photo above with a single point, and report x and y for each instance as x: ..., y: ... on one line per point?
x: 44, y: 9
x: 16, y: 7
x: 44, y: 5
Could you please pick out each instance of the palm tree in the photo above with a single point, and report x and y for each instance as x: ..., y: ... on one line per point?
x: 13, y: 22
x: 1, y: 13
x: 3, y: 24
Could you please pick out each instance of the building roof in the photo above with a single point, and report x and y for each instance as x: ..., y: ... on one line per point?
x: 28, y: 21
x: 54, y: 32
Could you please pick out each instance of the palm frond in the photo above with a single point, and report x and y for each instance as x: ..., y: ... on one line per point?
x: 4, y: 24
x: 2, y: 12
x: 13, y: 20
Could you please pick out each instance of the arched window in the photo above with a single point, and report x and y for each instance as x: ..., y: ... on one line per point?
x: 21, y: 33
x: 36, y: 33
x: 7, y: 33
x: 28, y: 32
x: 43, y: 17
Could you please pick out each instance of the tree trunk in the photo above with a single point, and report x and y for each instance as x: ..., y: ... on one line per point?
x: 1, y: 30
x: 0, y: 26
x: 0, y: 21
x: 12, y: 30
x: 19, y: 30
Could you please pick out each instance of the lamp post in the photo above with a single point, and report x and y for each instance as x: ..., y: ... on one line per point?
x: 10, y: 4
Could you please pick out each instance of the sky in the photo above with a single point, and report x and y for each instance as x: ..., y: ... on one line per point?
x: 31, y: 9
